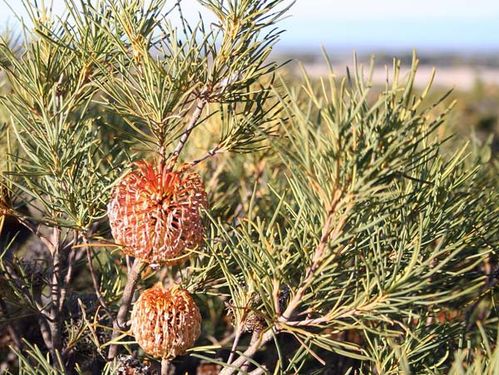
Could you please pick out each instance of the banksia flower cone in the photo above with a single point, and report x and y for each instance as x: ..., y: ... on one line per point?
x: 155, y: 212
x: 166, y: 322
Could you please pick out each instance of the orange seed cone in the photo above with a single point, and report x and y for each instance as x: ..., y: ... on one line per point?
x: 155, y: 212
x: 166, y: 322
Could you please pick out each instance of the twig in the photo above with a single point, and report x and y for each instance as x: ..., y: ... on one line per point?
x: 200, y: 104
x: 55, y: 291
x: 259, y: 371
x: 250, y: 352
x: 119, y: 323
x: 52, y: 320
x: 32, y: 227
x: 70, y: 260
x: 209, y: 154
x: 234, y: 345
x: 165, y: 366
x: 255, y: 336
x: 46, y: 335
x: 223, y: 341
x: 327, y: 231
x: 48, y: 320
x: 96, y: 284
x: 308, y: 322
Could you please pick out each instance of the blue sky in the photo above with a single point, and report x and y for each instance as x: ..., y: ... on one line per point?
x: 442, y: 25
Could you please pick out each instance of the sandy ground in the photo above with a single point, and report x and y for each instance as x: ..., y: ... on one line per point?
x: 459, y: 77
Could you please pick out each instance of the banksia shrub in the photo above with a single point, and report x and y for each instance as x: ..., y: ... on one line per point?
x: 155, y: 212
x: 166, y: 322
x: 345, y: 237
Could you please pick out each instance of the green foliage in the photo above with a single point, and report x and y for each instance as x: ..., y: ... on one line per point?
x: 33, y: 361
x: 65, y: 166
x: 482, y: 359
x: 411, y: 229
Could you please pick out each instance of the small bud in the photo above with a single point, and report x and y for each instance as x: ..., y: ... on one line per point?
x: 247, y: 316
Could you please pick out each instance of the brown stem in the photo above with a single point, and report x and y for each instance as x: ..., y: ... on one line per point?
x: 50, y: 315
x: 162, y: 151
x: 255, y: 336
x: 46, y: 335
x: 234, y: 345
x: 51, y: 322
x: 55, y: 290
x: 71, y: 258
x: 250, y: 352
x: 259, y: 371
x: 119, y: 323
x: 165, y: 366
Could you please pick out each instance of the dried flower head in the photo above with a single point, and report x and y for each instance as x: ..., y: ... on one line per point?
x: 166, y: 322
x: 155, y: 212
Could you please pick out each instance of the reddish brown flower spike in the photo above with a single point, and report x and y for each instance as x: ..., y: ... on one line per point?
x: 155, y: 213
x: 166, y: 323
